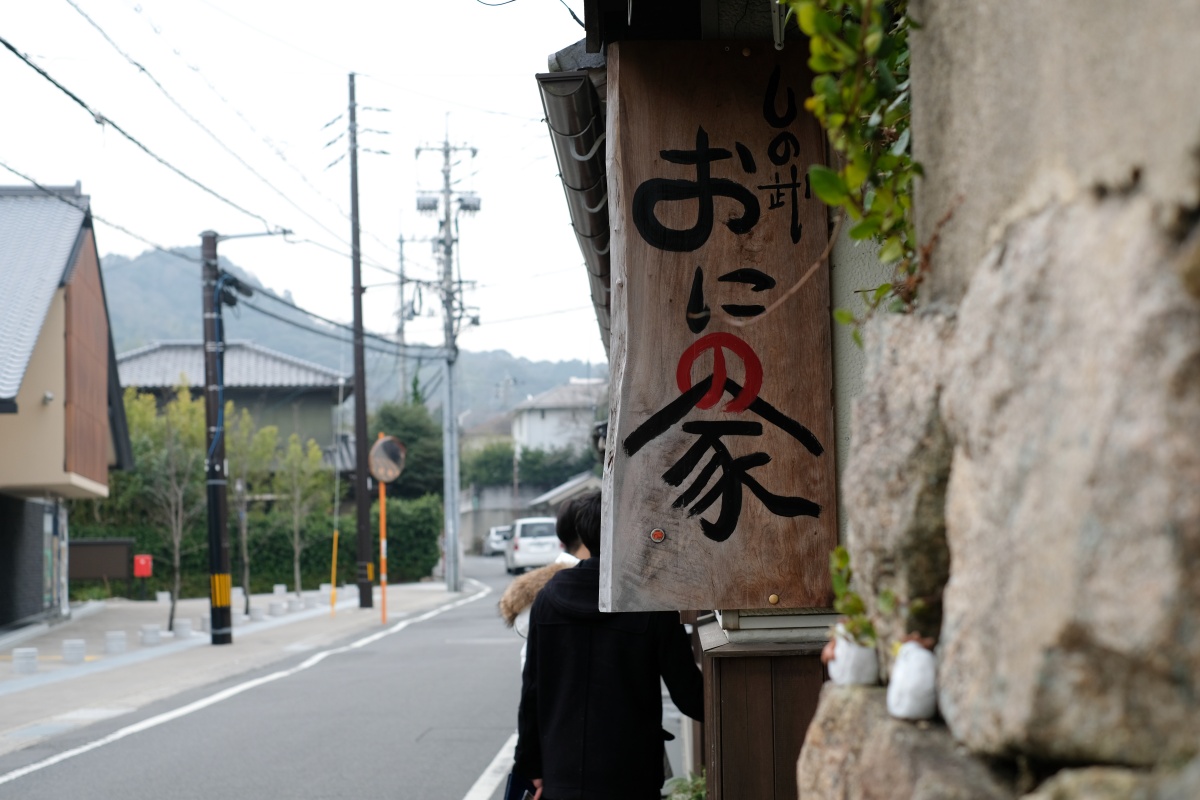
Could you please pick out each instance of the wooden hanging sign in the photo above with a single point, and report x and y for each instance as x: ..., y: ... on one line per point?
x: 719, y: 474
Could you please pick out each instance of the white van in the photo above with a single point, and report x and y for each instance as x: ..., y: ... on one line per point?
x: 533, y: 544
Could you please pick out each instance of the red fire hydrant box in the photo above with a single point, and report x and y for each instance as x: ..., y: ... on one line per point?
x: 143, y: 565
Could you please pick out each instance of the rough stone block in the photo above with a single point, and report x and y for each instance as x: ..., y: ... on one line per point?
x: 895, y: 482
x: 256, y: 614
x: 1071, y: 627
x: 277, y: 609
x: 183, y: 629
x: 855, y: 751
x: 1114, y: 783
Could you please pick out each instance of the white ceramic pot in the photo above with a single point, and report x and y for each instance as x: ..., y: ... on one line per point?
x: 852, y: 664
x: 912, y: 692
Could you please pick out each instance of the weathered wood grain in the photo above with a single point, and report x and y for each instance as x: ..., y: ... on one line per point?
x: 664, y: 100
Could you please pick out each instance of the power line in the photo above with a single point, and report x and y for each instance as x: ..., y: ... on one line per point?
x: 71, y: 202
x: 200, y: 124
x: 535, y: 316
x: 250, y: 125
x: 366, y: 262
x: 102, y: 120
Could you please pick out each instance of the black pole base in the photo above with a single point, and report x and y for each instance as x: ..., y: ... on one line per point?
x: 222, y: 625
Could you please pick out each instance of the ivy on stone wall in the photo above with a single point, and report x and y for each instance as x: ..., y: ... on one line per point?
x: 861, y: 96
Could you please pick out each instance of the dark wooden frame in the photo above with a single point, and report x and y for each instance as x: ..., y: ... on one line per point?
x: 758, y: 702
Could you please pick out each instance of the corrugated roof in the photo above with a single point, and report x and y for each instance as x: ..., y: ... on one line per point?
x: 248, y: 365
x: 38, y: 233
x: 578, y: 393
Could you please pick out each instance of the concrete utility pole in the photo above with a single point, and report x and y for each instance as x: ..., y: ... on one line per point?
x: 216, y: 292
x: 362, y: 501
x: 216, y: 479
x: 451, y: 309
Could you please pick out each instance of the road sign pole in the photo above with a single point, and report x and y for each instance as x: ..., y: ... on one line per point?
x: 383, y: 546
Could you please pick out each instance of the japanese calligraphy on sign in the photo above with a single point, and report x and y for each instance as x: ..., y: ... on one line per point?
x: 719, y: 482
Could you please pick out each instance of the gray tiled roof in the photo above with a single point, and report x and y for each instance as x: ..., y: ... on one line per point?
x: 37, y: 237
x: 248, y: 365
x: 578, y: 393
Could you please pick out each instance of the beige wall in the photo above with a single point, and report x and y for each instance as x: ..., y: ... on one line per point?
x: 32, y: 439
x: 1020, y: 104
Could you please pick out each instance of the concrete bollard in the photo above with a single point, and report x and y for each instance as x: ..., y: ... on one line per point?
x: 183, y: 628
x: 237, y: 597
x: 162, y: 597
x: 202, y: 623
x: 256, y: 614
x: 310, y: 601
x: 114, y: 643
x: 278, y: 609
x: 294, y: 604
x: 151, y: 635
x: 279, y: 590
x: 73, y: 651
x: 25, y: 660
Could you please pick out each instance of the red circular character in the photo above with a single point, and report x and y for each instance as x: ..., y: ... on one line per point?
x: 657, y: 535
x: 719, y: 343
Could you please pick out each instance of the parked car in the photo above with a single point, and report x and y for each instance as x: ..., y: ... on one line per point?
x: 533, y: 544
x: 496, y: 540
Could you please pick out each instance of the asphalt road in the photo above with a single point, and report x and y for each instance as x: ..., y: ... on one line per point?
x: 418, y: 713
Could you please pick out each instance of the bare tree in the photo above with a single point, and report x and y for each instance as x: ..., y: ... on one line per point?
x: 251, y: 451
x: 172, y: 465
x: 301, y: 482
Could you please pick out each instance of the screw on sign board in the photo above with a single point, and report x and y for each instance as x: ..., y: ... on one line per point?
x: 143, y: 566
x: 719, y: 481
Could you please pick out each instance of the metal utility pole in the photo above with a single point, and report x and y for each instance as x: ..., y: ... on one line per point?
x: 221, y: 616
x: 362, y: 501
x: 450, y: 309
x: 402, y: 361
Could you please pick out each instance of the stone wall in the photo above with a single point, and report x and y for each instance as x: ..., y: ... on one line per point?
x: 1025, y: 463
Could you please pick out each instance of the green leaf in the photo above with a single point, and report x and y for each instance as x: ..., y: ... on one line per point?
x: 900, y: 146
x: 872, y: 42
x: 806, y: 17
x: 828, y: 185
x: 881, y: 291
x: 865, y: 229
x: 843, y: 316
x: 887, y: 601
x: 893, y: 250
x: 856, y: 337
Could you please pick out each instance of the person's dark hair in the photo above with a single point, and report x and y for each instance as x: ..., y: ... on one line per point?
x: 587, y: 521
x: 564, y: 526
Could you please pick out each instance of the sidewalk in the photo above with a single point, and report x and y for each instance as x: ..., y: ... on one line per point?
x: 62, y: 696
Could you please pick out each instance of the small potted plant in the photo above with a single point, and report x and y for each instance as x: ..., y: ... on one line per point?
x: 850, y: 654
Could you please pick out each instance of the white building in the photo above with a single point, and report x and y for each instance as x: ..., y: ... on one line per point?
x: 561, y: 417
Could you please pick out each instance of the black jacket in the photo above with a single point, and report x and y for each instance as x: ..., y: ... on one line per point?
x: 590, y: 719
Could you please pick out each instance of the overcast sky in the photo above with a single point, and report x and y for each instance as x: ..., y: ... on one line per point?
x: 266, y: 77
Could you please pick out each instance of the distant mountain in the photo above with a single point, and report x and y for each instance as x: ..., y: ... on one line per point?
x: 156, y: 297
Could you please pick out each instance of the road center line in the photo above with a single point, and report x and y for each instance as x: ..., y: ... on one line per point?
x: 495, y: 773
x: 233, y: 691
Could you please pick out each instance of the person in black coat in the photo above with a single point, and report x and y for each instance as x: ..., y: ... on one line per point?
x: 590, y: 720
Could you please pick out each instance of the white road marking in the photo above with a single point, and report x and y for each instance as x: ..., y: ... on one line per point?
x: 495, y: 773
x: 233, y: 691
